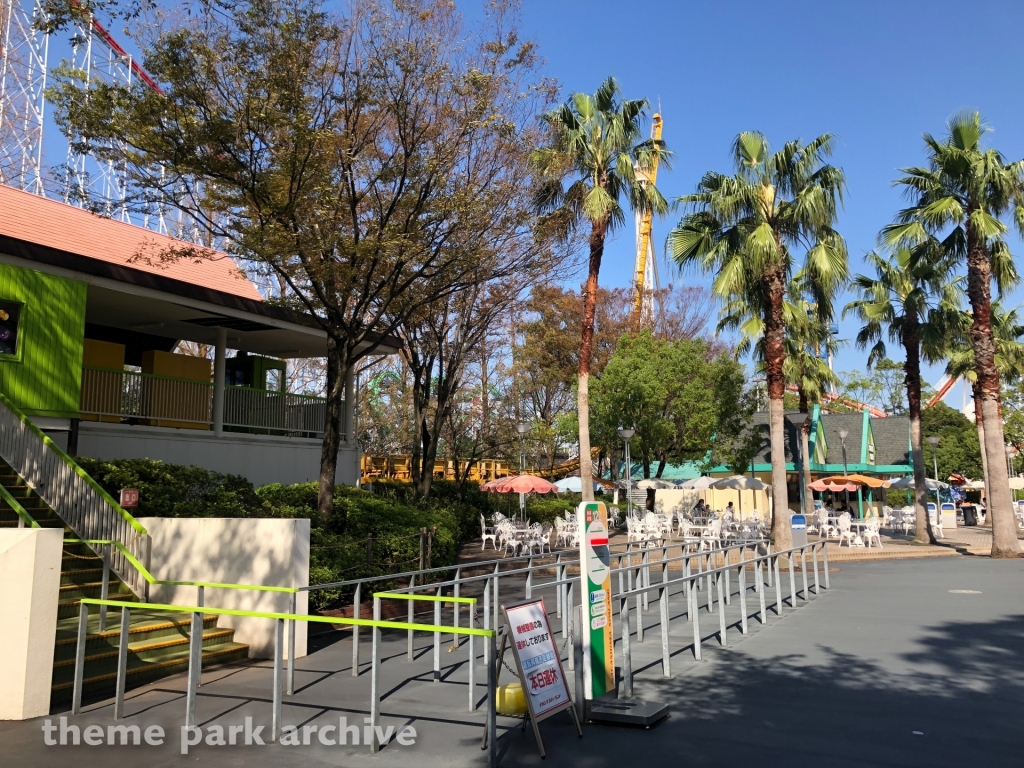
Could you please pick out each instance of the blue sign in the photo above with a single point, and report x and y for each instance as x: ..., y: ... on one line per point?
x: 799, y: 522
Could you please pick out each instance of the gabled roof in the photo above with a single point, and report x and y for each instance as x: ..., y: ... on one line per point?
x: 892, y: 440
x: 52, y: 224
x: 852, y: 423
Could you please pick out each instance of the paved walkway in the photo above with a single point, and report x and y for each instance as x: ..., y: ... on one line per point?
x: 903, y: 663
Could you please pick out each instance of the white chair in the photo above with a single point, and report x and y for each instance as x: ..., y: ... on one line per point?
x: 634, y: 529
x: 710, y: 537
x: 507, y: 538
x: 845, y: 531
x: 871, y: 532
x: 488, y: 533
x: 562, y: 532
x: 825, y: 529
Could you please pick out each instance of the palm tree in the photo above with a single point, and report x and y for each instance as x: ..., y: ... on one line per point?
x: 809, y: 341
x: 960, y: 197
x: 743, y: 228
x: 597, y: 144
x: 1007, y: 329
x: 912, y: 301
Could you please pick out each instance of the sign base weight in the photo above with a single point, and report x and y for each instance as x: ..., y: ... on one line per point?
x: 636, y: 712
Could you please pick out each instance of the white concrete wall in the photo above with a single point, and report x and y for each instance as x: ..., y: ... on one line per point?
x: 263, y: 552
x: 29, y: 590
x: 261, y: 459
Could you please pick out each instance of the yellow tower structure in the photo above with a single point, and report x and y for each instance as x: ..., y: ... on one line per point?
x: 644, y: 273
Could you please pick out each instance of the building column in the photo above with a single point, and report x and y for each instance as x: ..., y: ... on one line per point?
x: 219, y: 371
x: 350, y: 406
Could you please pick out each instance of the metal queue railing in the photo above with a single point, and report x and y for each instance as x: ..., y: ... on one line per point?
x: 376, y: 625
x: 708, y: 571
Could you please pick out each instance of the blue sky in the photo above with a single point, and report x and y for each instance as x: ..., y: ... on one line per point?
x: 877, y: 74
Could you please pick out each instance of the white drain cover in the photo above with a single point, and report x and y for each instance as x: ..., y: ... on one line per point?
x: 964, y: 592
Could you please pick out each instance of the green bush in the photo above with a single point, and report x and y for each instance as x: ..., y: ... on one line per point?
x: 341, y: 546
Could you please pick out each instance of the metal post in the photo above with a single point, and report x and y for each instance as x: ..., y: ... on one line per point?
x: 411, y: 617
x: 492, y: 715
x: 646, y: 561
x: 742, y: 578
x: 357, y: 613
x: 719, y: 581
x: 76, y: 691
x: 472, y: 659
x: 195, y: 661
x: 122, y: 664
x: 105, y: 587
x: 814, y: 561
x: 709, y: 585
x: 824, y: 555
x: 495, y: 604
x: 529, y: 576
x: 696, y: 627
x: 291, y: 644
x: 487, y: 621
x: 200, y: 601
x: 792, y: 581
x: 572, y: 634
x: 641, y: 599
x: 455, y: 610
x: 760, y: 592
x: 374, y: 677
x: 666, y: 665
x: 728, y: 586
x: 576, y: 660
x: 688, y: 589
x: 275, y: 721
x: 437, y: 638
x: 778, y: 587
x: 558, y: 591
x: 769, y: 564
x: 803, y: 570
x: 627, y: 661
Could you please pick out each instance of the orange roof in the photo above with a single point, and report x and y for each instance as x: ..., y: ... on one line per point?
x: 35, y: 219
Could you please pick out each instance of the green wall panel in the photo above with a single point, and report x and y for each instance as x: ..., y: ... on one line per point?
x: 45, y: 378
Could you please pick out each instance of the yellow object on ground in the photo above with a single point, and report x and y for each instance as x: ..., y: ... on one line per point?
x: 511, y: 700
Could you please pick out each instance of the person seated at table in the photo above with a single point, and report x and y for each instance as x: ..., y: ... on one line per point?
x: 729, y: 509
x: 700, y: 508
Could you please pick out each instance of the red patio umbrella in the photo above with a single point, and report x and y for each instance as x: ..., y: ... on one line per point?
x: 519, y: 484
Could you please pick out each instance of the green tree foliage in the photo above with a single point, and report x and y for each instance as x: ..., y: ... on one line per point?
x: 678, y: 395
x: 958, y: 449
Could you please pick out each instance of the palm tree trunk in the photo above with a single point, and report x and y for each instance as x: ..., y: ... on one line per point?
x: 979, y: 289
x: 775, y: 354
x: 805, y: 465
x: 586, y: 351
x: 912, y: 378
x: 979, y: 420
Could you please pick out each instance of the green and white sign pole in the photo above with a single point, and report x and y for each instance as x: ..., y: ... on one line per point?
x: 596, y: 599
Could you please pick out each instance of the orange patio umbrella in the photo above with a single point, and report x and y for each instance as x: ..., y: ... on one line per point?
x: 857, y: 480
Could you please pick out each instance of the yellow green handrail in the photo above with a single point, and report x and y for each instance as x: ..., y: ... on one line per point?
x: 74, y: 466
x: 381, y: 624
x: 18, y: 509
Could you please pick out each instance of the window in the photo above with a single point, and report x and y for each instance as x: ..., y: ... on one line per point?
x: 275, y: 380
x: 10, y: 327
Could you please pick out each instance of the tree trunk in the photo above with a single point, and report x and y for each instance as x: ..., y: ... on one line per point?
x: 586, y: 352
x: 336, y: 373
x: 912, y: 378
x: 979, y: 421
x: 997, y: 490
x: 805, y: 466
x: 774, y: 288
